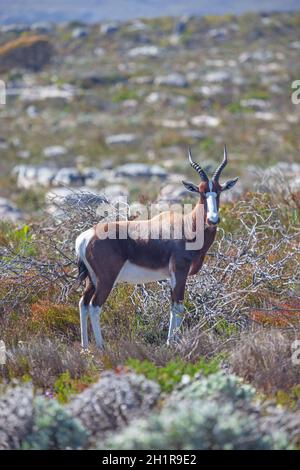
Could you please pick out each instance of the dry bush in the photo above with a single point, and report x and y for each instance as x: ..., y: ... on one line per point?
x: 264, y: 358
x: 44, y: 264
x: 260, y: 259
x: 206, y: 341
x: 42, y: 360
x: 32, y: 52
x: 245, y: 268
x: 279, y: 313
x: 119, y: 352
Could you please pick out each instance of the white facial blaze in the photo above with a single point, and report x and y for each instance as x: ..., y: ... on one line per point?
x: 212, y: 209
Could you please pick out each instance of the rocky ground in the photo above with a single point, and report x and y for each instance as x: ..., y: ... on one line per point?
x: 117, y: 104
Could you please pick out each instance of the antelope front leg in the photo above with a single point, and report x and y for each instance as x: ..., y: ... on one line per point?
x: 176, y: 314
x: 178, y: 273
x: 95, y: 311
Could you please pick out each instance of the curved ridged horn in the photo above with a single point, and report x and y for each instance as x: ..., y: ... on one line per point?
x: 221, y: 167
x: 197, y: 167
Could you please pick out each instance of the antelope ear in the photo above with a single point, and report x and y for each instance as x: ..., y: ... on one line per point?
x: 229, y: 184
x: 190, y: 187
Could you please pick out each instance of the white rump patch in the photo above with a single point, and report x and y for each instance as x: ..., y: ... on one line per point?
x: 81, y: 244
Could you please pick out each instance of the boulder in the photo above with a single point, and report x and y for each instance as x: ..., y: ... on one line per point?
x: 134, y: 170
x: 29, y: 52
x: 69, y: 176
x: 156, y: 97
x: 109, y: 28
x: 205, y: 120
x: 145, y: 51
x: 173, y: 80
x: 40, y: 93
x: 78, y: 33
x: 217, y: 77
x: 8, y: 210
x: 54, y: 151
x: 172, y: 192
x: 30, y: 176
x: 121, y: 139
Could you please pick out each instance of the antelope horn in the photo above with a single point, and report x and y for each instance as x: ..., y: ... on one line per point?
x: 221, y: 167
x: 197, y: 167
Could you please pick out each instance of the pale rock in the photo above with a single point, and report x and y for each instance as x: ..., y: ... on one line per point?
x: 134, y: 170
x: 9, y: 211
x: 173, y: 80
x: 30, y: 176
x: 145, y: 51
x: 265, y: 116
x: 217, y: 77
x: 156, y: 97
x: 174, y: 124
x: 205, y: 120
x: 109, y: 28
x: 119, y: 139
x: 54, y: 151
x: 68, y: 177
x: 173, y: 192
x: 79, y: 33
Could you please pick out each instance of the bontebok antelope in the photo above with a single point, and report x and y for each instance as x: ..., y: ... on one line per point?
x: 141, y: 257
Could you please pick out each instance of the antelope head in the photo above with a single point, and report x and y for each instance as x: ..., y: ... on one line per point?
x: 210, y: 189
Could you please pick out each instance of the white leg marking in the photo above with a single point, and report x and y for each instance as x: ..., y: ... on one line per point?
x: 83, y: 310
x: 176, y: 315
x: 172, y: 280
x: 95, y: 321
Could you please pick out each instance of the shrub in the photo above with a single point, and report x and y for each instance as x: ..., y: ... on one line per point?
x: 113, y: 401
x: 54, y: 428
x: 34, y: 422
x: 199, y: 424
x: 279, y: 313
x: 31, y: 52
x: 173, y: 372
x: 44, y: 360
x: 217, y: 385
x: 48, y: 316
x: 214, y: 412
x: 65, y: 386
x: 264, y: 358
x: 124, y: 94
x: 16, y: 415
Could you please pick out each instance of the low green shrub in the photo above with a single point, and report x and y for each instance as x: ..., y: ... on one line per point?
x: 54, y: 428
x: 65, y: 386
x: 171, y: 374
x: 215, y: 412
x: 34, y: 422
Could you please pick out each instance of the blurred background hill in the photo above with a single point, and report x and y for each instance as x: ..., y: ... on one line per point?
x: 29, y: 11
